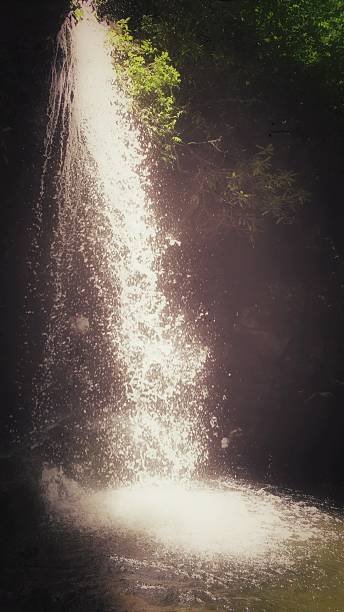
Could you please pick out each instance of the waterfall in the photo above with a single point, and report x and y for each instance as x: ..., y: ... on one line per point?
x: 131, y: 519
x: 119, y: 359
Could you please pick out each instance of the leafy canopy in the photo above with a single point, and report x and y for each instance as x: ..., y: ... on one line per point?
x: 232, y: 56
x: 239, y: 198
x: 150, y: 79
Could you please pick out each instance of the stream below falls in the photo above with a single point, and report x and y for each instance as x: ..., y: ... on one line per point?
x: 217, y: 545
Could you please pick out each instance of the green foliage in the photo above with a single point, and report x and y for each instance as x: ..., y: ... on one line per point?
x: 78, y: 12
x: 240, y: 198
x: 179, y: 35
x: 150, y: 79
x: 234, y: 57
x: 101, y: 8
x: 255, y: 189
x: 307, y: 32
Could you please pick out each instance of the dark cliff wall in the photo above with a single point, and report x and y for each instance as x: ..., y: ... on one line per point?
x: 28, y: 31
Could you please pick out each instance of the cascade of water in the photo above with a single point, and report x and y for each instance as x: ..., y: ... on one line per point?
x: 116, y: 351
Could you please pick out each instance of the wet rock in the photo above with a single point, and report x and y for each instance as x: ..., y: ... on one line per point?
x: 39, y: 600
x: 254, y: 335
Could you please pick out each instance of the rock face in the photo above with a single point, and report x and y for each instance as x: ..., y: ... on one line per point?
x: 277, y: 317
x: 257, y: 334
x: 25, y: 54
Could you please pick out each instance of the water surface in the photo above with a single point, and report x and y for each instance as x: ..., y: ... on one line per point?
x: 216, y: 545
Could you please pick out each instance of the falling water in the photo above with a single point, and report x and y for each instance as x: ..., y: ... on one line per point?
x: 121, y: 387
x: 118, y: 356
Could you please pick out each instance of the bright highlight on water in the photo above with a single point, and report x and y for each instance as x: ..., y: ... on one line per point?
x: 224, y: 519
x: 220, y: 544
x: 102, y: 185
